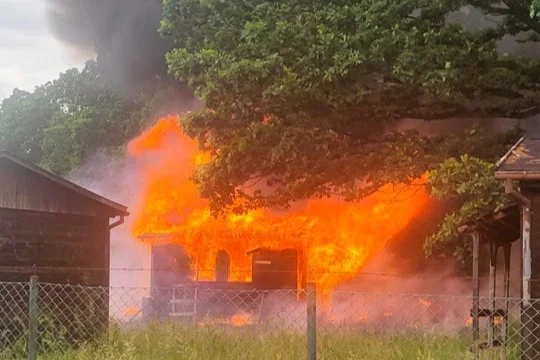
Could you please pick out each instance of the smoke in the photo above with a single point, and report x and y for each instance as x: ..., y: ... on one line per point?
x: 474, y: 19
x: 116, y: 179
x: 122, y: 33
x: 383, y: 298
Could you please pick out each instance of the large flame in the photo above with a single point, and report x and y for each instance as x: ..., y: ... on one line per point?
x: 336, y: 237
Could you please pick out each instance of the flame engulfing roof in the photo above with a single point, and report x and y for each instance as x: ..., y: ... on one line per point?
x: 335, y: 237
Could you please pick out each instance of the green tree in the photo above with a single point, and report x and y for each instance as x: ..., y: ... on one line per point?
x: 60, y: 123
x: 468, y: 186
x: 470, y: 183
x: 535, y: 10
x: 23, y: 118
x: 305, y: 94
x: 72, y: 136
x: 91, y: 116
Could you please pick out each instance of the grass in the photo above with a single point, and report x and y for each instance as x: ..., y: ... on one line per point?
x: 172, y: 341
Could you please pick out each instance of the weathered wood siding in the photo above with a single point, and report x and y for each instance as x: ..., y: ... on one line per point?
x: 59, y: 248
x: 531, y: 314
x: 531, y: 190
x: 60, y: 232
x: 23, y: 189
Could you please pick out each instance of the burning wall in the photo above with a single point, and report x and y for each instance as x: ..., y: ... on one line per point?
x: 336, y: 237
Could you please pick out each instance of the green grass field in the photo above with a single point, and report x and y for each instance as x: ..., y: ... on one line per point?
x: 176, y: 342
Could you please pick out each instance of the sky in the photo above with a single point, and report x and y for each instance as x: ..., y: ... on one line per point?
x: 29, y: 54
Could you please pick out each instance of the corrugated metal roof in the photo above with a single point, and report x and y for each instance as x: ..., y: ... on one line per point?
x: 522, y: 161
x: 117, y: 208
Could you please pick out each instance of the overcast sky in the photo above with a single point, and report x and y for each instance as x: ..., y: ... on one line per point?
x: 29, y: 55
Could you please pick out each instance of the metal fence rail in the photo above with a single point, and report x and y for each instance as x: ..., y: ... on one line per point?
x: 52, y: 321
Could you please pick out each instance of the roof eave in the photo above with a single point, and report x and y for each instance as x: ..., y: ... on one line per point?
x: 119, y: 209
x: 508, y: 153
x: 517, y: 175
x: 254, y: 250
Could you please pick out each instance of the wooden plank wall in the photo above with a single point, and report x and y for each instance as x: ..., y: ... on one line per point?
x: 23, y: 189
x: 53, y: 243
x: 531, y: 312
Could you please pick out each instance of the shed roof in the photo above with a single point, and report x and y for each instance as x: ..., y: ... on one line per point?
x: 502, y: 225
x: 521, y: 162
x: 114, y: 207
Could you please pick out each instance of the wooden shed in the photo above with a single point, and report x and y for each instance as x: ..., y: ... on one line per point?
x: 495, y: 232
x: 53, y: 228
x: 520, y: 171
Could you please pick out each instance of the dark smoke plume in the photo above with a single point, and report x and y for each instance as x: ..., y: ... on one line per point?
x: 123, y: 34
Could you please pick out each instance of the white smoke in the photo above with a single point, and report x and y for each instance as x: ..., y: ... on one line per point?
x: 118, y: 179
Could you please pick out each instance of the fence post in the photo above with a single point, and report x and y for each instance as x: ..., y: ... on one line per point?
x: 311, y: 321
x: 476, y: 295
x: 33, y: 319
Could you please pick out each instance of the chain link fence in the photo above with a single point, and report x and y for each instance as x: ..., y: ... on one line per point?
x: 50, y: 321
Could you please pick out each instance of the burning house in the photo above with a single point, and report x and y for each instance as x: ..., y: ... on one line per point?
x: 327, y: 241
x: 270, y: 269
x: 174, y: 279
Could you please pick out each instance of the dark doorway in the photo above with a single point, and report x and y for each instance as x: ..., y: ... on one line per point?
x: 223, y: 266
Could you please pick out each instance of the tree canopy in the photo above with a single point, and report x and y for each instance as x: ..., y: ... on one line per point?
x: 63, y: 121
x: 303, y: 95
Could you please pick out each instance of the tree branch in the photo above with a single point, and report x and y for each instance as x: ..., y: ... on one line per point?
x: 522, y: 14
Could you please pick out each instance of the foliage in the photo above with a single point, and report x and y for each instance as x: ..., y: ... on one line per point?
x: 468, y: 186
x: 470, y: 182
x: 302, y: 94
x: 535, y: 9
x: 90, y: 116
x: 62, y: 122
x: 23, y: 118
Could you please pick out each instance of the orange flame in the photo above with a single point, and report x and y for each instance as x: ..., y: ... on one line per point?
x: 238, y: 320
x: 336, y: 237
x: 132, y: 311
x: 241, y: 320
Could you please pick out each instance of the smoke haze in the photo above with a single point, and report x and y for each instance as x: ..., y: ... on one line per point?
x: 118, y: 180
